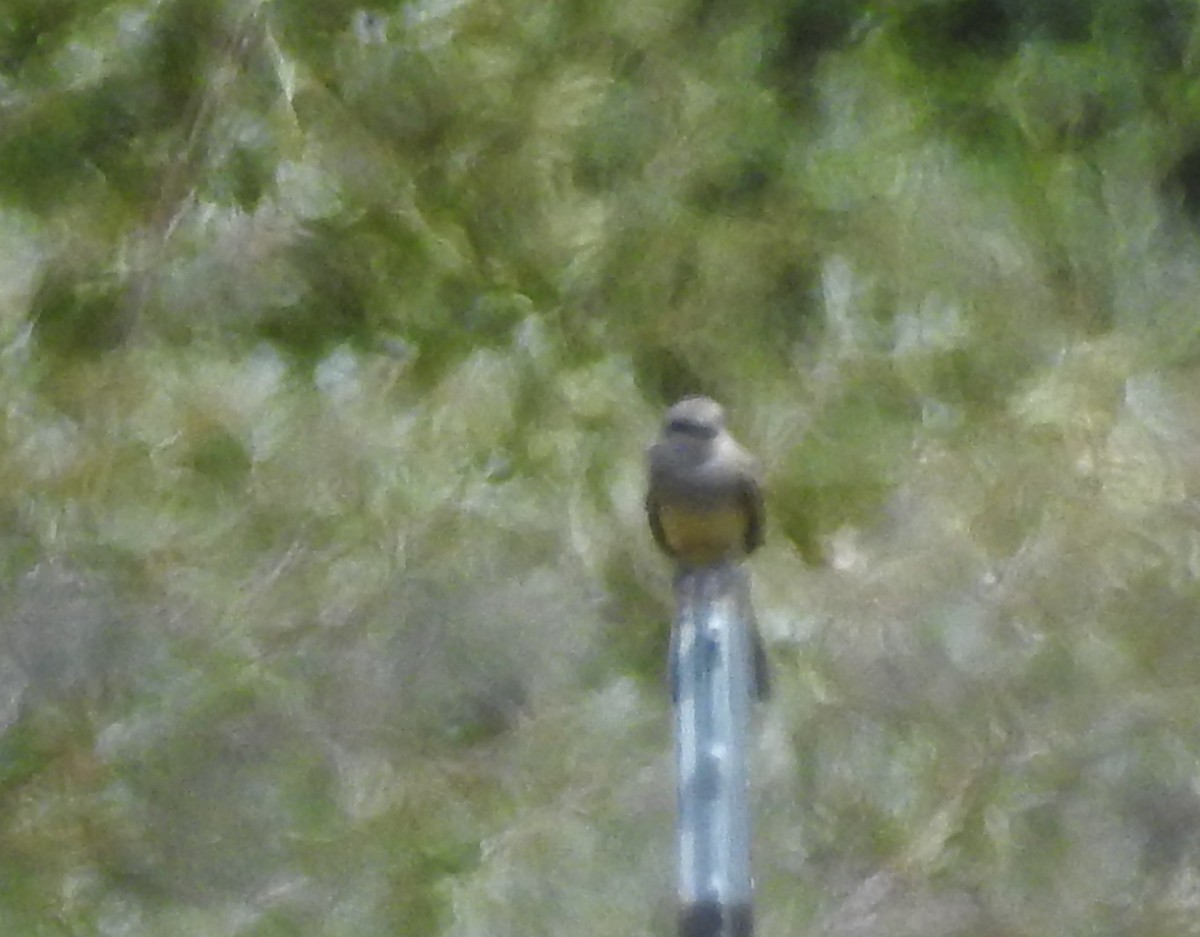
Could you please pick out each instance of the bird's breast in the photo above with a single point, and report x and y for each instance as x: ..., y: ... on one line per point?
x: 703, y: 535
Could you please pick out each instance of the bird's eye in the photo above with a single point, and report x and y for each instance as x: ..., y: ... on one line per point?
x: 690, y: 428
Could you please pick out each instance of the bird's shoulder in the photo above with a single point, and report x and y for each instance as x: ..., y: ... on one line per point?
x: 729, y: 452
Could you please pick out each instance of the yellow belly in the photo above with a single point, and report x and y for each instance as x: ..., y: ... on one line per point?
x: 703, y: 536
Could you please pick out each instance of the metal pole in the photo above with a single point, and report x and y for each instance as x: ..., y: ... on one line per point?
x: 711, y: 677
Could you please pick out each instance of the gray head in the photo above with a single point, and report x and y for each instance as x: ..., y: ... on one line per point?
x: 699, y: 417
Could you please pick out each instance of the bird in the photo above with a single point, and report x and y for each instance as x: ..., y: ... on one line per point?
x: 704, y: 500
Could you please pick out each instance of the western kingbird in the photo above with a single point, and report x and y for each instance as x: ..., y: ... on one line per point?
x: 704, y: 500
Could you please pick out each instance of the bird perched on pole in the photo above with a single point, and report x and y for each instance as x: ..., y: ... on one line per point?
x: 704, y: 500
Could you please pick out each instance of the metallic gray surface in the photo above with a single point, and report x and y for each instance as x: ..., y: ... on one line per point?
x: 712, y: 722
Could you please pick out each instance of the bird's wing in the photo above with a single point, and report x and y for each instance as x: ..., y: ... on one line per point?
x: 660, y: 536
x: 755, y: 514
x: 750, y: 492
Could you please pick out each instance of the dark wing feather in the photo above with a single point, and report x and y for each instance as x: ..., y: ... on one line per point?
x: 660, y: 536
x: 755, y: 515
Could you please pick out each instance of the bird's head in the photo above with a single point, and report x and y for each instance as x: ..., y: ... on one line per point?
x: 694, y: 417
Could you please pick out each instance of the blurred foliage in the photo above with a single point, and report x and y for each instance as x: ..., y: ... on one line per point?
x: 330, y: 337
